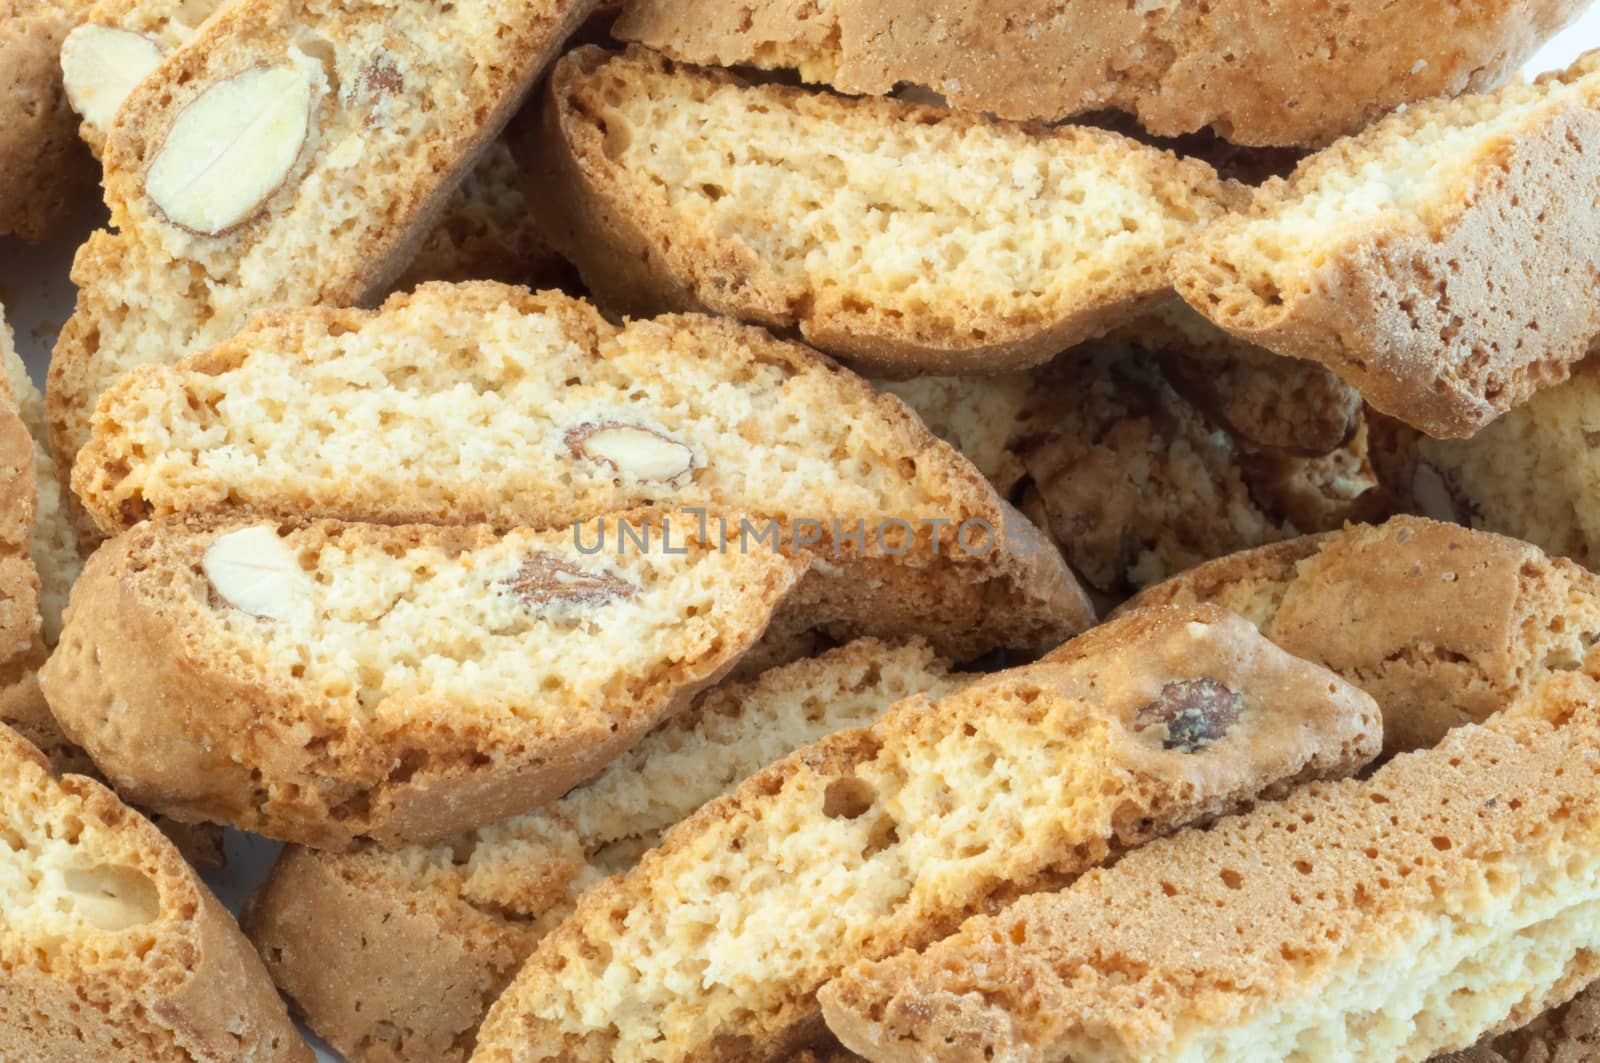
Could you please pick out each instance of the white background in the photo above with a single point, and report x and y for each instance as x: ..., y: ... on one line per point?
x: 37, y: 296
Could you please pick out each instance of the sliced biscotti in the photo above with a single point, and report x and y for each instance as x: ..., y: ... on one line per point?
x: 1533, y: 474
x: 880, y: 838
x: 396, y: 956
x: 554, y: 414
x: 1299, y: 72
x: 22, y: 649
x: 1443, y: 626
x: 1567, y: 1034
x: 44, y: 173
x: 1454, y: 893
x: 346, y: 112
x: 324, y: 682
x: 110, y: 946
x: 1442, y: 261
x: 679, y: 188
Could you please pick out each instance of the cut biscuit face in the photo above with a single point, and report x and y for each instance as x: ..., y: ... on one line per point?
x: 395, y: 683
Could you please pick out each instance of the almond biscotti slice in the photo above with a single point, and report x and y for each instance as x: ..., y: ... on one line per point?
x: 396, y: 956
x: 553, y: 414
x: 45, y: 174
x: 214, y: 222
x: 677, y: 188
x: 110, y: 947
x: 1442, y: 261
x: 1443, y: 626
x: 1454, y: 893
x: 1533, y: 474
x: 1297, y: 72
x: 888, y: 836
x: 326, y: 682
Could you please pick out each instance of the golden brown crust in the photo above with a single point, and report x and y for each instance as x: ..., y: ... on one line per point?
x: 1447, y: 312
x: 1442, y: 625
x: 1320, y: 927
x: 1281, y: 72
x: 864, y: 804
x: 154, y: 293
x: 640, y: 254
x: 197, y: 723
x: 45, y: 174
x: 186, y: 988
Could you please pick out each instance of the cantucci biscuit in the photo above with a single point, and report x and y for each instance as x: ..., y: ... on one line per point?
x: 677, y: 188
x: 110, y: 947
x: 22, y: 649
x: 1453, y: 893
x: 1132, y: 469
x: 1301, y: 72
x: 326, y: 682
x: 396, y: 956
x: 1442, y: 261
x: 44, y: 174
x: 347, y: 111
x: 1443, y: 626
x: 1534, y: 474
x: 888, y: 836
x: 553, y: 414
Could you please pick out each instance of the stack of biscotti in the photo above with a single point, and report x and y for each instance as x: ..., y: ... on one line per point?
x: 396, y: 955
x: 485, y: 231
x: 889, y: 835
x: 351, y: 153
x: 110, y: 947
x: 1453, y: 894
x: 1444, y: 626
x: 555, y: 415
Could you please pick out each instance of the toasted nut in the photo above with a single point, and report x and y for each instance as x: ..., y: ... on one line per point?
x: 112, y: 898
x: 255, y: 572
x: 230, y: 149
x: 101, y: 65
x: 631, y: 450
x: 545, y: 578
x: 1195, y: 712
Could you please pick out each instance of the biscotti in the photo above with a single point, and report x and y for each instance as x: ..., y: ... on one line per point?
x: 1443, y: 626
x: 347, y: 114
x: 884, y: 837
x: 1133, y: 480
x: 1300, y: 72
x: 1567, y: 1034
x: 110, y: 947
x: 44, y: 173
x: 326, y: 682
x: 1442, y: 261
x: 554, y: 415
x: 1454, y: 893
x: 1532, y: 474
x: 22, y: 649
x: 396, y: 956
x: 678, y: 188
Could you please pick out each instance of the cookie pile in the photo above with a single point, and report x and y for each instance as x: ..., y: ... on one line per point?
x: 804, y: 532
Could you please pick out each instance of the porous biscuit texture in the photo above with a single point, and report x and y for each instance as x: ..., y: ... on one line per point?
x: 1440, y: 260
x: 558, y: 415
x: 44, y: 173
x: 1453, y: 893
x: 324, y: 682
x: 678, y: 188
x: 1280, y: 72
x: 22, y: 649
x: 285, y: 216
x: 110, y: 946
x: 1533, y: 474
x: 1442, y: 625
x: 395, y: 957
x: 883, y: 837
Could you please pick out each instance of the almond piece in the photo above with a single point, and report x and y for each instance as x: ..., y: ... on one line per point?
x: 545, y: 579
x: 632, y: 450
x: 254, y: 571
x: 101, y: 65
x: 1195, y: 712
x: 230, y: 149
